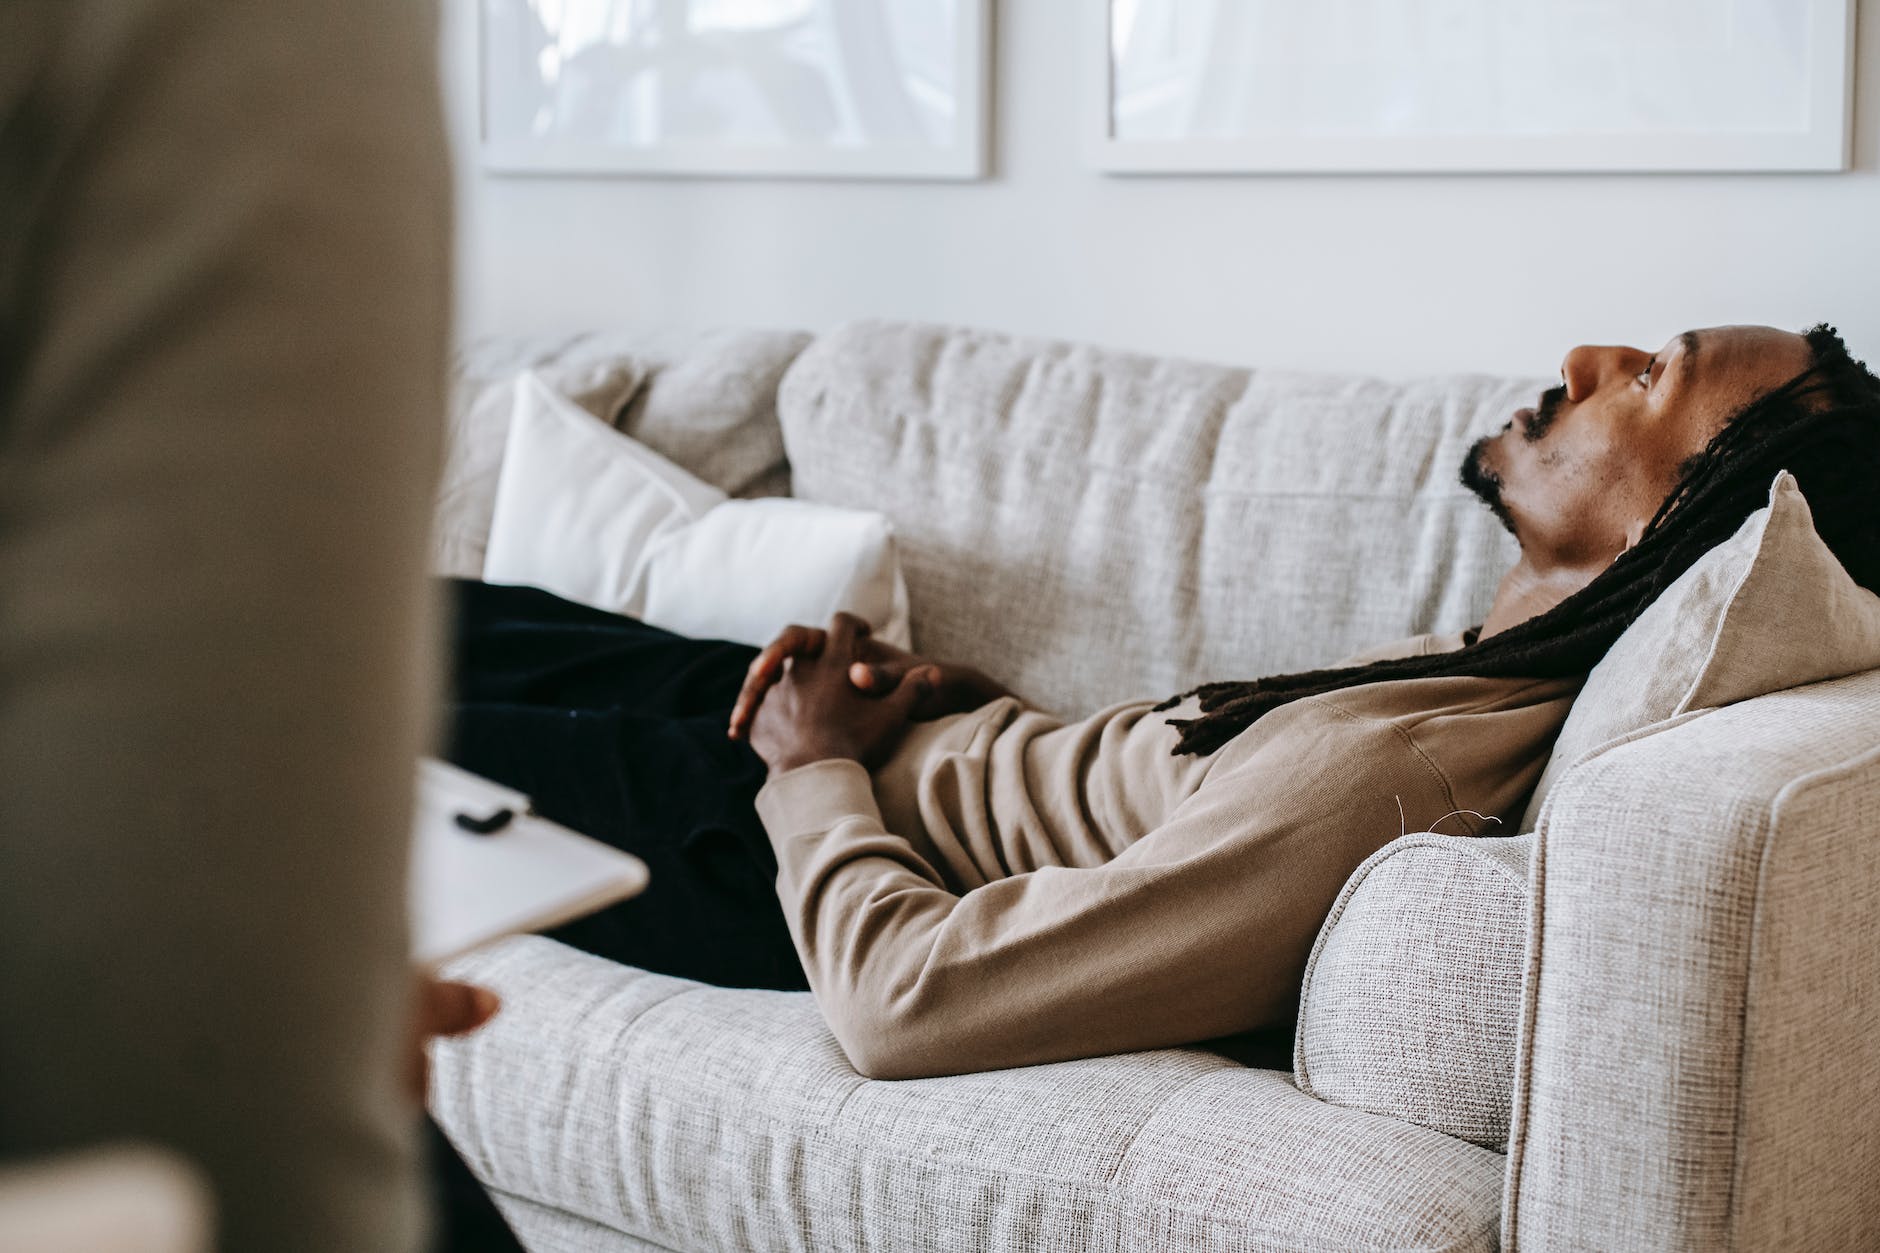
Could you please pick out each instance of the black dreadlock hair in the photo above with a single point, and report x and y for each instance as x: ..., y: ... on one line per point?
x: 1823, y: 426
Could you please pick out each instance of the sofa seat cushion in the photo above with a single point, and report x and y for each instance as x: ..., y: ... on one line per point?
x: 692, y: 1117
x: 1413, y: 990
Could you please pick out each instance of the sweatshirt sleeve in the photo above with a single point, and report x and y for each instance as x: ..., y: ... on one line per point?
x: 1199, y: 929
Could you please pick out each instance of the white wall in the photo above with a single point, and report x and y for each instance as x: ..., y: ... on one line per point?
x: 1395, y: 275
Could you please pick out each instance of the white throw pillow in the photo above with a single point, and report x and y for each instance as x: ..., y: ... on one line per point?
x: 1769, y: 608
x: 578, y: 504
x: 771, y: 562
x: 597, y: 517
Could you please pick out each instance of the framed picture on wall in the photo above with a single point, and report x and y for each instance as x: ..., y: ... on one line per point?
x: 766, y: 88
x: 1280, y: 86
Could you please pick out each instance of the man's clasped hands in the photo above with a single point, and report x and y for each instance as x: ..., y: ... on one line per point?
x: 838, y: 693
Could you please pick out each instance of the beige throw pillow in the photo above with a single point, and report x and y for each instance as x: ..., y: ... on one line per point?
x: 1769, y: 608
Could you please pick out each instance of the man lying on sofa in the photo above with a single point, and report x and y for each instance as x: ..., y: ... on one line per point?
x: 967, y: 883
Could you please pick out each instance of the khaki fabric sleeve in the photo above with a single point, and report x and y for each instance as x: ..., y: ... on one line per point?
x: 1199, y: 929
x: 224, y: 256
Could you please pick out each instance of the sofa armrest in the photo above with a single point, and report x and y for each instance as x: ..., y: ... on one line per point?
x: 1413, y: 990
x: 1699, y: 1065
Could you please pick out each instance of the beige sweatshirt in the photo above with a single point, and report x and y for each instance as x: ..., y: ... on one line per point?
x: 1012, y: 889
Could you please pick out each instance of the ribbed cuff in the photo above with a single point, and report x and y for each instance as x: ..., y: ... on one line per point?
x: 811, y: 799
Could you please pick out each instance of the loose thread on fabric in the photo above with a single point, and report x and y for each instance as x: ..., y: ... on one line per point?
x: 1403, y: 820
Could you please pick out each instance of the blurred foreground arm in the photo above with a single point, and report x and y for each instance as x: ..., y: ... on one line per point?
x: 223, y: 287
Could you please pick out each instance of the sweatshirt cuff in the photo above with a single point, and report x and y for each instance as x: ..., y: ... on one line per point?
x: 812, y: 799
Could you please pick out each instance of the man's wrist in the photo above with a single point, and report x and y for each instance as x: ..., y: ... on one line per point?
x: 783, y: 763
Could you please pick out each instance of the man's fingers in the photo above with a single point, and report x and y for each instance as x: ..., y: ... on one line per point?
x: 443, y: 1008
x: 916, y: 687
x: 792, y: 641
x: 845, y: 629
x: 456, y: 1008
x: 872, y: 678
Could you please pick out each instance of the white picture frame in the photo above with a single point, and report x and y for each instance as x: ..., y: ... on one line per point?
x: 959, y: 152
x: 1823, y: 144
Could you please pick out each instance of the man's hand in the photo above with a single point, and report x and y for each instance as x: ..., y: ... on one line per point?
x: 442, y: 1008
x: 814, y: 711
x: 877, y: 669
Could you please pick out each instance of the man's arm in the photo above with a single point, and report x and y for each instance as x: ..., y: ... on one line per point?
x: 1201, y: 928
x: 1198, y: 930
x: 224, y: 291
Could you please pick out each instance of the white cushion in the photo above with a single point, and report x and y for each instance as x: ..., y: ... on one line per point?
x: 748, y: 567
x: 578, y: 504
x: 596, y: 517
x: 1769, y: 608
x: 706, y: 399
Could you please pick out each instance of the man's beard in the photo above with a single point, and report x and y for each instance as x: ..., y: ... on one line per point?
x: 1486, y: 483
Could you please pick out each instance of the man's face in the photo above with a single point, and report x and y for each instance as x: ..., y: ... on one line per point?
x: 1578, y: 477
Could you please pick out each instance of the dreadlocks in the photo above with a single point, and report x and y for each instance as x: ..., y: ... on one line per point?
x: 1823, y: 426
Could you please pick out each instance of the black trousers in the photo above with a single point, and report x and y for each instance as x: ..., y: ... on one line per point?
x: 617, y: 730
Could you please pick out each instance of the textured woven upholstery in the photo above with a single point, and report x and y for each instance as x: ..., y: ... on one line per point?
x: 1769, y: 608
x: 1700, y: 1066
x: 700, y: 1118
x: 1413, y: 989
x: 1090, y: 526
x: 551, y: 1230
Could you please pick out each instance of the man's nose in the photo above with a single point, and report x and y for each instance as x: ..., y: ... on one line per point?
x: 1589, y: 367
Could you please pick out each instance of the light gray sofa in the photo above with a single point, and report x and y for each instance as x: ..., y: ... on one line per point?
x: 1681, y: 1052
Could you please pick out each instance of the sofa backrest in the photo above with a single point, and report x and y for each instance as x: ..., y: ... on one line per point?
x: 1090, y: 526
